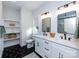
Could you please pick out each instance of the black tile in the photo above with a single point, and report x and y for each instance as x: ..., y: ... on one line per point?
x: 16, y: 51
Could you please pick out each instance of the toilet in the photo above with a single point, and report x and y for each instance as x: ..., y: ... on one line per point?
x: 30, y: 43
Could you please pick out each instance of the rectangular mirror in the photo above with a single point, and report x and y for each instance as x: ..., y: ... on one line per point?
x: 60, y: 26
x: 70, y: 25
x: 46, y: 24
x: 67, y: 23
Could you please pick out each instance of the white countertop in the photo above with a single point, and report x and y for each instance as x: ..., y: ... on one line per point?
x: 73, y: 44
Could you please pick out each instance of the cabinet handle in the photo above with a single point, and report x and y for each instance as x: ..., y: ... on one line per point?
x: 46, y: 56
x: 46, y: 49
x: 46, y: 42
x: 62, y: 55
x: 59, y: 55
x: 37, y: 44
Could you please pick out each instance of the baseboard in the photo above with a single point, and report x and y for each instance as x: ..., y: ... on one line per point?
x: 38, y: 54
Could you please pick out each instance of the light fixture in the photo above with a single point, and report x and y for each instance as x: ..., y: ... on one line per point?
x: 45, y: 15
x: 67, y: 5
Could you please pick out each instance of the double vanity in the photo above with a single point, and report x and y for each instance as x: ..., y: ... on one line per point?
x: 49, y: 47
x: 64, y: 44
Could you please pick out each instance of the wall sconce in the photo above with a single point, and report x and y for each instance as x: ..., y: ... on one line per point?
x: 45, y: 15
x: 74, y: 2
x: 67, y: 5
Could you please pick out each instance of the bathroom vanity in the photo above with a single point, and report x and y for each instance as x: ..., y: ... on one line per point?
x: 48, y: 47
x: 65, y: 44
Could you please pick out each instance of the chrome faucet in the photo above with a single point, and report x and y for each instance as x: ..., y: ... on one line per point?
x: 65, y: 37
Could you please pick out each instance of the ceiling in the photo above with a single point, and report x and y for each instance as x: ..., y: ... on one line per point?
x: 31, y: 5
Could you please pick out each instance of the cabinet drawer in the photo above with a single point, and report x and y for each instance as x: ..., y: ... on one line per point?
x: 66, y: 49
x: 47, y: 50
x: 47, y: 43
x: 47, y: 54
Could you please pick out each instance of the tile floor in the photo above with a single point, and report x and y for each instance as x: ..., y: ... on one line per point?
x: 16, y: 51
x: 32, y: 55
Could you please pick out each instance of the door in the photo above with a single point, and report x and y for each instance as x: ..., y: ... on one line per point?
x: 55, y: 51
x: 39, y: 46
x: 66, y: 52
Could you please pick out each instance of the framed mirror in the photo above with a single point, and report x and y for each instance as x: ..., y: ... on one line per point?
x: 46, y: 24
x: 70, y: 25
x: 67, y: 23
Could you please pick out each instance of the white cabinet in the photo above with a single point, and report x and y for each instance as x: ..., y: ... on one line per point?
x: 39, y: 46
x: 49, y: 49
x: 55, y: 51
x: 61, y: 51
x: 45, y: 48
x: 67, y: 52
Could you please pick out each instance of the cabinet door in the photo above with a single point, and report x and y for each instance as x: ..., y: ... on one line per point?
x: 55, y: 51
x: 36, y: 45
x: 39, y: 46
x: 50, y: 50
x: 47, y: 49
x: 67, y: 52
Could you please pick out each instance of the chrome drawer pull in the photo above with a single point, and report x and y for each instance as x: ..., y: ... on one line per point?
x: 46, y: 42
x: 37, y: 44
x: 62, y: 55
x: 46, y: 49
x: 59, y: 55
x: 46, y: 56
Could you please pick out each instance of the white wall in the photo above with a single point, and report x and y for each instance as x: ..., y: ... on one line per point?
x: 52, y: 8
x: 26, y: 23
x: 0, y: 10
x: 1, y: 40
x: 11, y: 13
